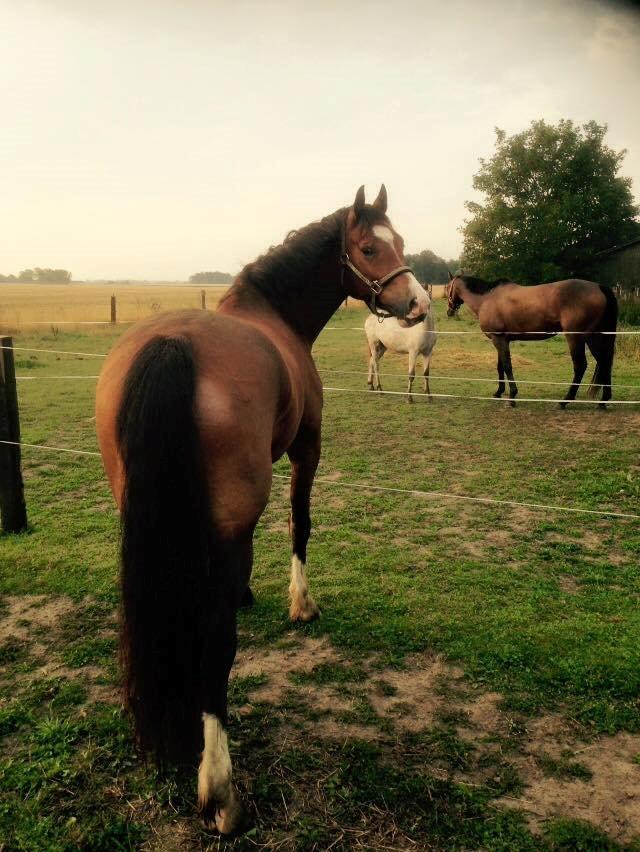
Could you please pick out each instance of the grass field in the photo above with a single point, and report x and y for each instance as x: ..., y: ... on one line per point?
x: 473, y: 682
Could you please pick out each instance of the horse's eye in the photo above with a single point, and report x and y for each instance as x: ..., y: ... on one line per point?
x: 367, y: 251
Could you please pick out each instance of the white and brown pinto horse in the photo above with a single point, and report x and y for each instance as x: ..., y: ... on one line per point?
x: 412, y: 339
x: 585, y: 311
x: 188, y: 436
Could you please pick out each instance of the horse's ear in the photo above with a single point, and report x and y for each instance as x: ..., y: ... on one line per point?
x: 450, y: 275
x: 381, y: 201
x: 358, y: 204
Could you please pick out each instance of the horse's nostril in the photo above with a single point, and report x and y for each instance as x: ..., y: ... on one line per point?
x: 413, y: 304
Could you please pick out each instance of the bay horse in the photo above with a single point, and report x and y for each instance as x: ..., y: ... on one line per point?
x: 402, y: 337
x: 508, y: 311
x: 188, y: 435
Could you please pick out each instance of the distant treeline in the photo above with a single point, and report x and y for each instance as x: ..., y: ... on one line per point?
x: 28, y: 276
x: 211, y: 278
x: 431, y: 269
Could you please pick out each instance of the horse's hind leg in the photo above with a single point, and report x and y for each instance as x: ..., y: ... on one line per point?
x: 413, y: 357
x: 425, y: 373
x: 377, y: 352
x: 304, y: 455
x: 501, y: 385
x: 576, y: 345
x: 219, y: 804
x: 504, y: 356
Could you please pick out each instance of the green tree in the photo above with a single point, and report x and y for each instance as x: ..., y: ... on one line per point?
x: 428, y: 267
x: 553, y: 199
x: 62, y: 276
x: 211, y: 278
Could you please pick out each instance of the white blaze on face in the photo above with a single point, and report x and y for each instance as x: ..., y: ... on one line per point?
x: 383, y: 233
x: 416, y: 291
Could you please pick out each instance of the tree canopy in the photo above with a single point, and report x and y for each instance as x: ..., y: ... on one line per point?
x: 429, y: 268
x: 211, y: 278
x: 553, y: 199
x: 38, y: 274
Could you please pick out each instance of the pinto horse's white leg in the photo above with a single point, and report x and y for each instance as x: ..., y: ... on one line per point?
x: 304, y: 454
x: 218, y: 801
x: 371, y: 365
x: 413, y: 357
x: 425, y: 373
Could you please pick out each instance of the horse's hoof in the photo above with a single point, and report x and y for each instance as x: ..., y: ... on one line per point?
x: 409, y: 398
x: 305, y: 610
x: 232, y: 819
x: 602, y: 406
x: 370, y: 386
x: 563, y: 405
x: 512, y: 403
x: 497, y: 395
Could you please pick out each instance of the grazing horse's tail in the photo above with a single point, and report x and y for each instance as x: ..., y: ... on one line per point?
x: 603, y: 347
x: 166, y: 550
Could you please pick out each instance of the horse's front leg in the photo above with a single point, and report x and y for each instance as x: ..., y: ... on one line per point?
x: 577, y: 351
x: 304, y: 455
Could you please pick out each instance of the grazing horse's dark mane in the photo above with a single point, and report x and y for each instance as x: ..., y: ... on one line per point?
x: 287, y: 268
x: 479, y: 285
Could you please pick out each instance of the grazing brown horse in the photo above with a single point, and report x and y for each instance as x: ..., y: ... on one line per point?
x: 188, y: 436
x: 508, y: 311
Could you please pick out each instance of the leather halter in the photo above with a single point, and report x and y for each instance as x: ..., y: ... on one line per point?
x: 451, y: 299
x: 375, y: 285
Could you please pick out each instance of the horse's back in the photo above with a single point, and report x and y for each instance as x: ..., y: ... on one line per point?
x: 570, y: 304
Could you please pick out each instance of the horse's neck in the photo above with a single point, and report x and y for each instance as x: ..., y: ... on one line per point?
x: 306, y: 311
x: 472, y: 300
x: 311, y: 307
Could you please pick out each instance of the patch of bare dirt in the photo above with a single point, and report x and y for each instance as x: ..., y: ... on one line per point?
x: 29, y: 619
x: 568, y: 584
x: 26, y: 612
x: 609, y: 800
x: 277, y: 664
x: 417, y: 697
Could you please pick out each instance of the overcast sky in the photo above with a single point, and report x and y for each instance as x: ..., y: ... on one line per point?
x: 157, y: 138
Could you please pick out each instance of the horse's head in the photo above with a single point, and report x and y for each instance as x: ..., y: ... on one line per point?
x: 454, y: 299
x: 374, y: 265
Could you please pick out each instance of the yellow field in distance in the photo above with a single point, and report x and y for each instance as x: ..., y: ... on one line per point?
x: 25, y: 305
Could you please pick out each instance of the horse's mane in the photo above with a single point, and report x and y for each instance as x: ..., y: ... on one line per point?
x: 286, y: 268
x: 479, y: 285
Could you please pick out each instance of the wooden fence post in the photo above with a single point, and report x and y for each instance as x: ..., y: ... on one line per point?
x: 13, y: 512
x: 113, y: 310
x: 203, y: 297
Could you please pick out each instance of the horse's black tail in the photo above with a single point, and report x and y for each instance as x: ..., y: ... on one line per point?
x: 166, y: 550
x: 603, y: 347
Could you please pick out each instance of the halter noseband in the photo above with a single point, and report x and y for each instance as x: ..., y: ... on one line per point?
x: 375, y: 285
x: 451, y: 299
